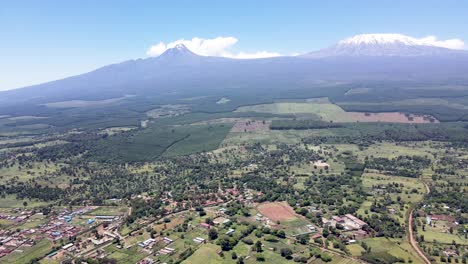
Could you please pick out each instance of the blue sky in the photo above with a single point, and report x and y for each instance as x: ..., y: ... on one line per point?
x: 46, y: 40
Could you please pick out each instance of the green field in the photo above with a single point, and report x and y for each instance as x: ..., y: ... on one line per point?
x: 37, y: 251
x: 131, y: 255
x: 325, y: 111
x: 150, y: 143
x: 200, y: 139
x: 206, y: 254
x: 394, y: 247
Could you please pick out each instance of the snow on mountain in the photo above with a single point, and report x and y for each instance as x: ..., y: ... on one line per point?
x: 384, y: 45
x: 178, y: 50
x: 374, y: 39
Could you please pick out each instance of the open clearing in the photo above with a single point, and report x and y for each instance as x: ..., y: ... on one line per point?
x: 82, y: 103
x: 205, y: 254
x: 392, y: 117
x: 322, y: 109
x: 317, y: 110
x: 168, y: 111
x: 223, y: 100
x: 277, y: 211
x: 251, y: 126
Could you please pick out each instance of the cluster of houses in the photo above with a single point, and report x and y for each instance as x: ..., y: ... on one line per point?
x: 430, y: 219
x: 147, y: 243
x: 245, y: 196
x: 350, y: 223
x: 263, y: 219
x: 18, y: 216
x: 58, y: 227
x: 146, y: 260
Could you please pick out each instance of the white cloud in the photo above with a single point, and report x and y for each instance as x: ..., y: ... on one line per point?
x: 219, y: 46
x: 449, y: 43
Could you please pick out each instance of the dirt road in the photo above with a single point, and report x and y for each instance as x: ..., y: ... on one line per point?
x: 413, y: 242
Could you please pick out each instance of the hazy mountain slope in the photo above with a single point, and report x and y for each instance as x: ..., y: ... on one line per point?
x: 178, y: 73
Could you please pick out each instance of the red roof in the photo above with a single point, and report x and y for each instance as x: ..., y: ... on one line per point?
x: 447, y: 218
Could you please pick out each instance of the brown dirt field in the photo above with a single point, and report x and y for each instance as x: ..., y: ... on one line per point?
x: 277, y: 211
x: 174, y: 222
x: 394, y: 117
x: 250, y: 126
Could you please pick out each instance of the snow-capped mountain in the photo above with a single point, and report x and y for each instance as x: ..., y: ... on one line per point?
x: 375, y: 39
x: 178, y: 50
x: 377, y: 57
x: 383, y: 45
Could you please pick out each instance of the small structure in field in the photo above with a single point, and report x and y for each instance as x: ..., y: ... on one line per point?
x: 199, y: 240
x: 205, y: 225
x: 321, y: 164
x: 221, y: 220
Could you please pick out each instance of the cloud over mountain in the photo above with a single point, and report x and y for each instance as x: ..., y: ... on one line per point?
x: 448, y: 43
x: 219, y: 47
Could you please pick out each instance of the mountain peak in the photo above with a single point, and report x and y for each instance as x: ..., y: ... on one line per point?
x: 374, y: 39
x: 383, y: 45
x: 178, y: 50
x: 180, y: 47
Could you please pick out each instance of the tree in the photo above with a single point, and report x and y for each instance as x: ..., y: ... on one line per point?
x: 257, y: 246
x: 213, y: 233
x: 325, y: 257
x: 281, y: 234
x: 303, y: 239
x: 260, y: 257
x: 25, y: 203
x: 286, y: 253
x: 234, y: 255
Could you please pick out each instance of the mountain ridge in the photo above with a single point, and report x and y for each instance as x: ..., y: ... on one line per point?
x: 180, y: 70
x: 396, y: 45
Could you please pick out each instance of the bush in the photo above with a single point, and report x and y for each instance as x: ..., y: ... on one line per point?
x: 271, y: 238
x: 325, y: 257
x: 260, y: 257
x: 286, y: 253
x: 300, y: 259
x: 248, y: 241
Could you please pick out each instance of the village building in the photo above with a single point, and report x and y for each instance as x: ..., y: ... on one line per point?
x: 147, y: 243
x: 221, y: 220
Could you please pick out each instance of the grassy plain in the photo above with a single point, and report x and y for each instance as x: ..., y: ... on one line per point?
x: 315, y: 110
x: 28, y: 254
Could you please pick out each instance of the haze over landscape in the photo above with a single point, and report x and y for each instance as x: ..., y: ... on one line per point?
x: 326, y: 132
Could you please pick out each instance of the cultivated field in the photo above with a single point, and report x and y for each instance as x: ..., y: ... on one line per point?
x: 251, y: 126
x: 312, y: 110
x: 322, y: 109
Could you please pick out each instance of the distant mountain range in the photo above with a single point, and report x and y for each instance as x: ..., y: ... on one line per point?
x: 363, y: 58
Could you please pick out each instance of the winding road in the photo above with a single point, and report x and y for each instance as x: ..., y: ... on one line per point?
x: 413, y: 242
